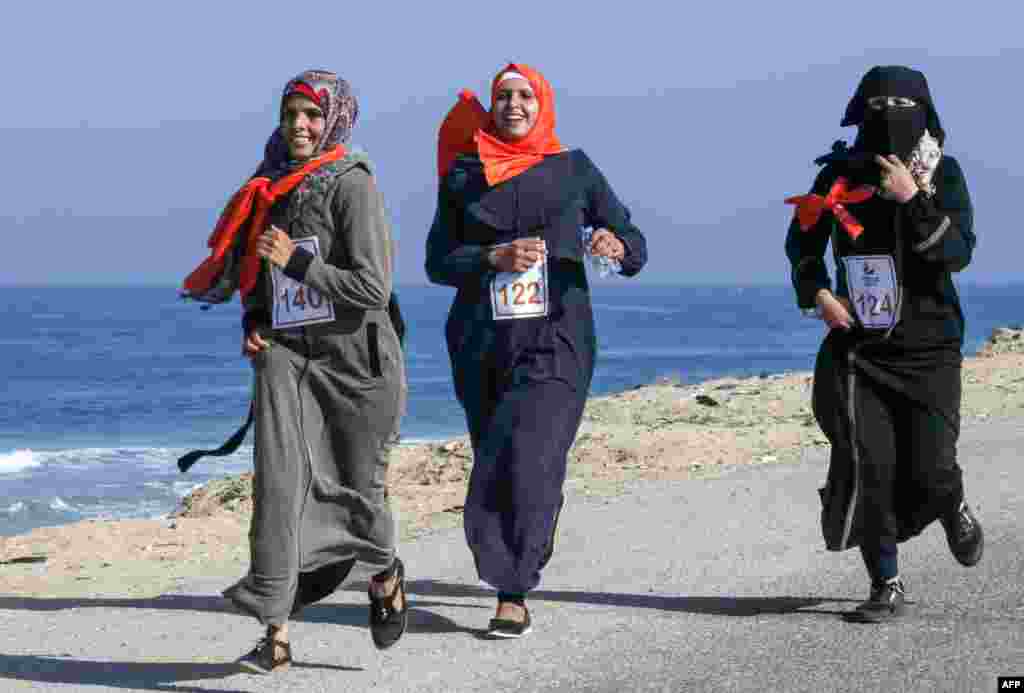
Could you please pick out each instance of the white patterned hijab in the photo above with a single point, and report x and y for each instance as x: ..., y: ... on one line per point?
x: 334, y: 97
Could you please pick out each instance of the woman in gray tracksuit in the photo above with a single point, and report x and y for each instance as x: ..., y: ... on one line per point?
x: 329, y: 376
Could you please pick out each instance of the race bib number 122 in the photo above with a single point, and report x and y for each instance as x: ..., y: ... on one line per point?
x: 518, y: 295
x: 296, y: 304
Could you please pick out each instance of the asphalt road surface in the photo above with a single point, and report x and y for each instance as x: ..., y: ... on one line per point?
x: 718, y: 584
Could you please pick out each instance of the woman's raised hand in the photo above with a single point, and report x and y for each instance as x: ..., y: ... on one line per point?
x: 898, y: 183
x: 517, y: 256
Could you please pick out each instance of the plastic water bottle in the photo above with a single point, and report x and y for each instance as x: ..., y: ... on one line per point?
x: 604, y: 266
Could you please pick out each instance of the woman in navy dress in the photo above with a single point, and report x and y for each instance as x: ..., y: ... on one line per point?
x: 512, y: 206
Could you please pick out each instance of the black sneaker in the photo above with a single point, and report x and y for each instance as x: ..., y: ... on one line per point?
x: 387, y: 623
x: 964, y: 535
x: 887, y: 601
x: 505, y: 629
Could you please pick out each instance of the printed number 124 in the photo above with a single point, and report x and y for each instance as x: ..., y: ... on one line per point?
x: 873, y: 305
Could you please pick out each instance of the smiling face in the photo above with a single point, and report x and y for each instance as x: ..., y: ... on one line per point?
x: 515, y: 109
x: 302, y: 126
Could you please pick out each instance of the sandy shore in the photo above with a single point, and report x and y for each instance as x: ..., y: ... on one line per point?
x: 659, y: 431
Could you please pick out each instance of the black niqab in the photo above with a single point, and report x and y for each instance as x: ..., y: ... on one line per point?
x: 891, y: 131
x: 890, y: 80
x: 887, y: 131
x: 894, y: 80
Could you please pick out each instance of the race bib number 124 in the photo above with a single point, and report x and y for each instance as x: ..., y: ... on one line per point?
x: 873, y: 289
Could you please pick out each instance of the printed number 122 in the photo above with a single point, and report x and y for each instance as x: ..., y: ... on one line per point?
x: 518, y: 289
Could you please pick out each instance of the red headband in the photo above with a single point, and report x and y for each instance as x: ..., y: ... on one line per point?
x: 307, y: 91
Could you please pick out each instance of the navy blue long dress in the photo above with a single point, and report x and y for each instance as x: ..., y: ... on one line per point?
x: 523, y: 383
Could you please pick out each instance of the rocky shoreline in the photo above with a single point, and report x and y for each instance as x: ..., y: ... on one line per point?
x: 661, y: 431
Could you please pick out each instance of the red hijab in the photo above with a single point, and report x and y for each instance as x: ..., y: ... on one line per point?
x: 469, y: 129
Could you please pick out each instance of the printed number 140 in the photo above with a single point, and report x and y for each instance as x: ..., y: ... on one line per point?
x: 302, y: 297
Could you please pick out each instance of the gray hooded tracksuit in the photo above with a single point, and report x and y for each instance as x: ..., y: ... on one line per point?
x: 328, y: 399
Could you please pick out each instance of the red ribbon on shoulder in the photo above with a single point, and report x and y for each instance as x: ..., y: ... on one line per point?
x: 809, y: 208
x: 252, y: 202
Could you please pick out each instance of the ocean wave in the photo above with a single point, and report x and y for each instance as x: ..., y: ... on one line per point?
x: 18, y: 460
x: 430, y: 380
x: 429, y: 356
x: 23, y: 516
x: 158, y: 458
x: 635, y: 353
x: 410, y: 442
x: 183, y: 488
x: 635, y: 308
x: 59, y: 504
x: 722, y: 352
x: 179, y: 488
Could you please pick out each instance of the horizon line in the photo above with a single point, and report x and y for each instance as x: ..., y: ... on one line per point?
x: 426, y: 285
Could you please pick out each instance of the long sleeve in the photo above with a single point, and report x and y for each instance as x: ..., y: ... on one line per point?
x: 604, y: 210
x: 806, y: 252
x: 364, y: 234
x: 941, y: 228
x: 256, y: 310
x: 450, y: 261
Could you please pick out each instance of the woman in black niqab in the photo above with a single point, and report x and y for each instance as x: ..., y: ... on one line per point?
x: 898, y: 215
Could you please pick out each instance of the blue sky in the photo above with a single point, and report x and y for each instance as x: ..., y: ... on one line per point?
x: 128, y: 125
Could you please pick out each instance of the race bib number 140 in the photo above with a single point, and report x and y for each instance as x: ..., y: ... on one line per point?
x: 296, y: 304
x: 873, y: 289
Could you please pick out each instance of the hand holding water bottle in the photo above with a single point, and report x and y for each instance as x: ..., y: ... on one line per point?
x: 605, y: 249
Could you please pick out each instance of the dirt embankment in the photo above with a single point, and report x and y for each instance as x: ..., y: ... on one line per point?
x: 660, y: 431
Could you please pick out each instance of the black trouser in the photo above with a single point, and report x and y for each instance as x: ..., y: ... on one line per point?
x: 909, y: 471
x: 882, y: 561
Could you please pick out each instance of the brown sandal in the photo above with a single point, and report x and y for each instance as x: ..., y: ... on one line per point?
x: 261, y: 659
x: 387, y: 621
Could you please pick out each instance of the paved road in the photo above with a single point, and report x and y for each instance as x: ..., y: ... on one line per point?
x: 704, y: 585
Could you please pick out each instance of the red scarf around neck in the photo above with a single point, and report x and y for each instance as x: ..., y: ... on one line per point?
x: 250, y: 204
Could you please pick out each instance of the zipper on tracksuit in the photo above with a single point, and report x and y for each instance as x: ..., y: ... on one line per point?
x: 305, y: 441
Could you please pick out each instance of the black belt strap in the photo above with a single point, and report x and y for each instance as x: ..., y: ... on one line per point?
x: 186, y: 461
x: 232, y: 444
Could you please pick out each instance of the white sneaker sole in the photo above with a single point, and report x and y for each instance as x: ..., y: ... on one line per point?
x: 503, y: 635
x: 250, y: 667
